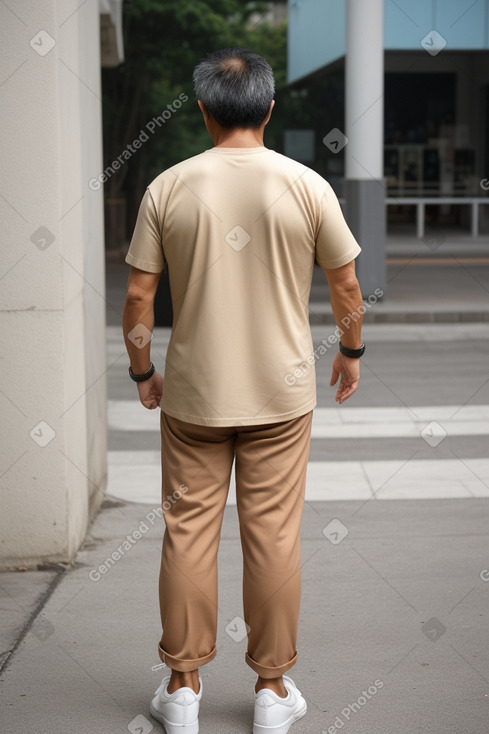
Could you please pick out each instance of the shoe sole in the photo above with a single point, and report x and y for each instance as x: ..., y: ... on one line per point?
x: 174, y: 728
x: 281, y: 728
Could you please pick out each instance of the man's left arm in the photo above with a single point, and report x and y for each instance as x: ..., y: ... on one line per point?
x: 346, y: 304
x: 335, y: 243
x: 138, y: 324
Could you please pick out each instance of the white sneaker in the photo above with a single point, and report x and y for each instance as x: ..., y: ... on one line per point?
x: 177, y: 711
x: 275, y: 715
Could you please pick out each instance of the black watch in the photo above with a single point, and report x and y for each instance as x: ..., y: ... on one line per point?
x: 143, y: 376
x: 352, y: 353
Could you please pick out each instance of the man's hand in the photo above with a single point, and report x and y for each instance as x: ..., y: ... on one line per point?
x: 349, y: 369
x: 151, y: 391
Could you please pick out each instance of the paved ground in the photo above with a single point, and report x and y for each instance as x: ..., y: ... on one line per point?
x: 394, y: 625
x: 398, y: 602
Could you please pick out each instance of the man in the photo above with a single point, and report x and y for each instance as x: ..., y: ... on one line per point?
x: 239, y: 228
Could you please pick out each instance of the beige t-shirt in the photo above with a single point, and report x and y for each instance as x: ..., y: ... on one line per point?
x: 239, y: 229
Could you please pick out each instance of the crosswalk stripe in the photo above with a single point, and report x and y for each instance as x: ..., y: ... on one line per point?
x: 135, y: 476
x: 352, y: 422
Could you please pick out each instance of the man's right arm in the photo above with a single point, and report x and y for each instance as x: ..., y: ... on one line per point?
x: 139, y: 312
x: 346, y: 303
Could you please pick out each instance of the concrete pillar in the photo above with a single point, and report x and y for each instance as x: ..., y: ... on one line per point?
x: 52, y: 307
x: 364, y: 128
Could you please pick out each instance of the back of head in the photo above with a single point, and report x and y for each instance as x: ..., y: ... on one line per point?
x: 236, y: 87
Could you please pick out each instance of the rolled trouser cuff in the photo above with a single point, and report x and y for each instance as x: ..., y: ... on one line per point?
x: 185, y: 665
x: 265, y: 671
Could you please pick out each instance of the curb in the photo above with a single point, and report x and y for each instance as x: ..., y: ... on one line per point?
x: 437, y: 317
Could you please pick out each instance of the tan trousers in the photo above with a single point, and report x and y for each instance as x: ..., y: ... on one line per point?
x: 271, y: 464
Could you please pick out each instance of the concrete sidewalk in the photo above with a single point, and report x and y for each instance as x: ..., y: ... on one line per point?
x: 393, y: 634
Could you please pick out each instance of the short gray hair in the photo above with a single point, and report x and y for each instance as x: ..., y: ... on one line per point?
x: 236, y: 87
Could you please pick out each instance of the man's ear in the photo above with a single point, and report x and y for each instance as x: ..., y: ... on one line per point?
x: 203, y: 110
x: 272, y: 105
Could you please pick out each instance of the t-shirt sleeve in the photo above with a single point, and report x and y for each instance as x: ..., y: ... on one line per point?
x: 146, y: 248
x: 335, y: 243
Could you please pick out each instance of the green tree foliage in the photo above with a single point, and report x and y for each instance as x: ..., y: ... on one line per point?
x: 163, y: 40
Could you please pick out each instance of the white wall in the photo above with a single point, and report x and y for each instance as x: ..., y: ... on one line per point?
x: 52, y: 315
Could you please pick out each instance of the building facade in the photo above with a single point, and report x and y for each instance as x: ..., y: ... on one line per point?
x: 436, y: 96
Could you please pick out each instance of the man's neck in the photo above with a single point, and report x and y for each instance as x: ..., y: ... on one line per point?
x: 239, y: 138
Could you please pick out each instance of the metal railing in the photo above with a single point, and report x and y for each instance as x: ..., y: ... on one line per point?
x: 420, y: 203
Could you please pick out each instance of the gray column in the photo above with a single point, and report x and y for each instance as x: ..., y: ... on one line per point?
x: 364, y: 128
x: 53, y: 462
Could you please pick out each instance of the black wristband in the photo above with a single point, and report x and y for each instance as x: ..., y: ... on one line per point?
x: 143, y: 376
x: 352, y: 353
